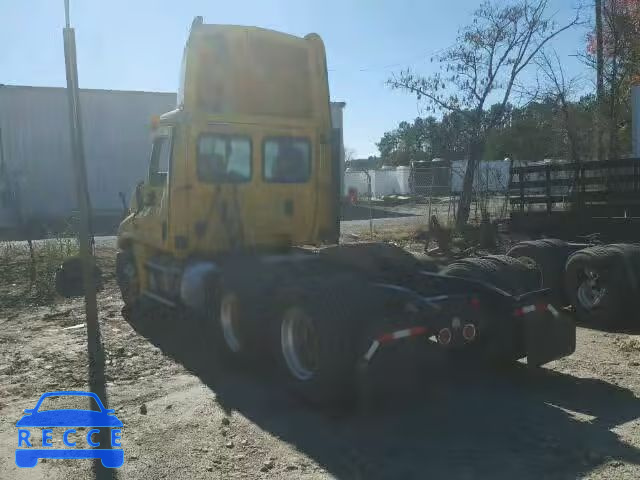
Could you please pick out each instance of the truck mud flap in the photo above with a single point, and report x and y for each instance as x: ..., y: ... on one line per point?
x: 549, y: 333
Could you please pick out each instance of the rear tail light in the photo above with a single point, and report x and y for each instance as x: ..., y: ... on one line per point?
x: 469, y: 332
x: 444, y: 336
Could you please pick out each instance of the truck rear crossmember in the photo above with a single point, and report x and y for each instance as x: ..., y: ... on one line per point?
x: 469, y: 331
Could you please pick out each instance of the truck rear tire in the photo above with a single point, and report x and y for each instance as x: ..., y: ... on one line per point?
x: 501, y: 271
x: 602, y: 283
x: 377, y: 259
x: 316, y: 327
x: 511, y: 276
x: 550, y: 256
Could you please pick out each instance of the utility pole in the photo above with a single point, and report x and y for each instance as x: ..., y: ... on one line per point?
x: 94, y: 344
x: 370, y: 195
x: 599, y: 81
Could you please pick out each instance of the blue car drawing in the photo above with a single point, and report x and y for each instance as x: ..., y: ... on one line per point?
x: 110, y: 458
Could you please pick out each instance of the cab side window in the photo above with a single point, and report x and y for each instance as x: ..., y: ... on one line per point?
x: 286, y: 160
x: 224, y: 158
x: 160, y: 158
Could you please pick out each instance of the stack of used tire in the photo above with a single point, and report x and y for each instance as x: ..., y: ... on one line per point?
x: 601, y: 282
x: 504, y: 272
x: 549, y: 255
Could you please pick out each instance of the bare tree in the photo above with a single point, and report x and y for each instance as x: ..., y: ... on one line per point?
x: 560, y: 89
x: 349, y: 154
x: 485, y: 61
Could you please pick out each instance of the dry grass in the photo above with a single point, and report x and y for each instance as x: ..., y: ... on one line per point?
x: 411, y: 237
x: 630, y: 344
x: 28, y: 277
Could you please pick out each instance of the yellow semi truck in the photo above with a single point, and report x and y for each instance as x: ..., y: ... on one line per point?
x: 238, y: 222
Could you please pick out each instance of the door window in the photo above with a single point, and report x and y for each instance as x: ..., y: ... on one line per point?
x: 159, y: 165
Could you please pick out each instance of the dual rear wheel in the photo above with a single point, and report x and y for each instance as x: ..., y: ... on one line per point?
x: 309, y: 332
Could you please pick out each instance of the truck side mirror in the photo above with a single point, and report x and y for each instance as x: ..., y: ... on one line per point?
x: 139, y: 198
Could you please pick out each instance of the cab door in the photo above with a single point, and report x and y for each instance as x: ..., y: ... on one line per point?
x: 151, y: 220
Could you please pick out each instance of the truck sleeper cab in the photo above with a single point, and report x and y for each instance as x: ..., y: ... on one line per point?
x: 241, y: 194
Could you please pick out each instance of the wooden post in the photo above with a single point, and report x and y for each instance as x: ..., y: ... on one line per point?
x: 548, y: 177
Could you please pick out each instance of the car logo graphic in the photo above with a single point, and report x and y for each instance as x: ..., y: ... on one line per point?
x: 105, y: 418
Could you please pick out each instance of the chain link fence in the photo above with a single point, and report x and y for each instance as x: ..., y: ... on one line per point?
x: 438, y: 185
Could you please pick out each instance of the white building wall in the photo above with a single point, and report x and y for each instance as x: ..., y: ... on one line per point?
x: 403, y: 179
x: 491, y: 176
x: 383, y: 182
x: 355, y: 180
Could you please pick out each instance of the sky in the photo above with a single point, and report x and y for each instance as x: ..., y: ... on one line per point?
x: 137, y: 45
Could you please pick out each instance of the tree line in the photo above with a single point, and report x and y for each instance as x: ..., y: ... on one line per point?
x: 536, y: 131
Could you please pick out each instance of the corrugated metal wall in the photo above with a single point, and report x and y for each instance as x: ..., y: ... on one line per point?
x: 35, y: 137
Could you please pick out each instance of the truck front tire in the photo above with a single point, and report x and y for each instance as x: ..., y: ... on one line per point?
x: 127, y: 277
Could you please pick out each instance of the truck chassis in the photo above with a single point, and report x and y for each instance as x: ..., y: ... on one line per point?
x: 322, y: 314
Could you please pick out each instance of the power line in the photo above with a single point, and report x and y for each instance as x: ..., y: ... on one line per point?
x: 410, y: 61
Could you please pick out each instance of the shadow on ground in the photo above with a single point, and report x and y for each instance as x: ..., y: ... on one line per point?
x: 361, y: 212
x: 426, y: 420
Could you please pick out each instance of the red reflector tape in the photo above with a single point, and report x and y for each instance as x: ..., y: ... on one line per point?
x: 541, y: 307
x: 418, y: 331
x: 386, y: 338
x: 518, y: 312
x: 398, y: 334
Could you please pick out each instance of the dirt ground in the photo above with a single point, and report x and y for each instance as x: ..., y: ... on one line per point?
x: 184, y: 417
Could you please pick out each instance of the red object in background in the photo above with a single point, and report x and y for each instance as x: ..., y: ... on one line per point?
x: 353, y: 196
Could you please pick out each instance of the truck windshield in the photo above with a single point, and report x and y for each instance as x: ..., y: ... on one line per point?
x: 287, y: 160
x: 224, y: 158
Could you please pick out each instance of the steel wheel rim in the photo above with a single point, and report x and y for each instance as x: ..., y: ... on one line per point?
x: 590, y: 291
x: 229, y: 321
x: 299, y: 344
